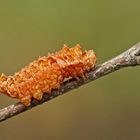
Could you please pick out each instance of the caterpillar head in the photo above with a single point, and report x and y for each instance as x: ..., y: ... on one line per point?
x: 73, y: 56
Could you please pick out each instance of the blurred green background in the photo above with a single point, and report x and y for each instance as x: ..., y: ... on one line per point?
x: 106, y: 109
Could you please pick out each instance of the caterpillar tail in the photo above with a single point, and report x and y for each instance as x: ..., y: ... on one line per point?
x: 3, y: 79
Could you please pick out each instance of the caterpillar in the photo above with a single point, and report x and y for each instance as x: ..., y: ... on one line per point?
x: 47, y: 73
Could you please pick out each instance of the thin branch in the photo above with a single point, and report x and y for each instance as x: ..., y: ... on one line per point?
x: 131, y: 57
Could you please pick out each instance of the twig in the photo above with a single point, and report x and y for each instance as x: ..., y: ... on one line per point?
x: 131, y: 57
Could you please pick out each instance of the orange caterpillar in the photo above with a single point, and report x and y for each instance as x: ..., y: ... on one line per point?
x: 47, y: 73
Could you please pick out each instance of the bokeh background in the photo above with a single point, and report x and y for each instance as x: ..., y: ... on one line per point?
x: 106, y: 109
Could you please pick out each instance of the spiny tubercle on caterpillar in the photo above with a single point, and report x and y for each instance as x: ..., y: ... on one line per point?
x: 47, y: 73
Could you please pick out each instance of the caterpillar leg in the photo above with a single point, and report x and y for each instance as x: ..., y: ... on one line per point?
x: 26, y: 100
x: 38, y: 95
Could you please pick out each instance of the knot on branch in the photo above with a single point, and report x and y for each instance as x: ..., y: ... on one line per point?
x: 134, y: 53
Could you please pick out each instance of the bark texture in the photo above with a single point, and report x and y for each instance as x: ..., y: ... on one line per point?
x: 131, y: 57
